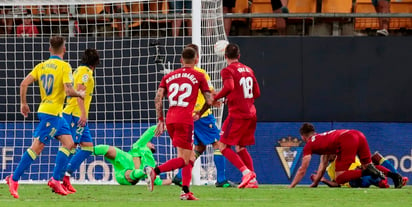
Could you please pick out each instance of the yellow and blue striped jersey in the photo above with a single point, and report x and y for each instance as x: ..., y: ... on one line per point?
x: 84, y: 76
x: 51, y: 75
x: 200, y: 98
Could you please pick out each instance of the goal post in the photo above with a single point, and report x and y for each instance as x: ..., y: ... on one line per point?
x: 135, y: 41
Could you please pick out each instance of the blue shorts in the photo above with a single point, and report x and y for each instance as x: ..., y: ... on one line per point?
x: 79, y: 134
x: 50, y: 126
x: 181, y: 6
x: 206, y: 131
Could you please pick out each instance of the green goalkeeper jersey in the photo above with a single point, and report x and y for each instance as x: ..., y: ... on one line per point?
x: 140, y: 149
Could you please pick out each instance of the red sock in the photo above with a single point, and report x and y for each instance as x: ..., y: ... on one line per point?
x: 234, y: 158
x: 382, y: 169
x: 246, y: 158
x: 187, y: 173
x: 348, y: 176
x: 172, y: 164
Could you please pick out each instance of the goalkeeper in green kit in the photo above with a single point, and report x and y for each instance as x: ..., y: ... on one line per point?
x: 128, y: 166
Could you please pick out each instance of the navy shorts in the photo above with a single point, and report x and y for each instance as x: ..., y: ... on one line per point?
x: 79, y: 134
x: 206, y: 131
x: 50, y: 126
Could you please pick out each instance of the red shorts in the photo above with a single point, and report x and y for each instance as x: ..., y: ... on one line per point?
x: 238, y: 131
x: 181, y: 134
x: 350, y: 144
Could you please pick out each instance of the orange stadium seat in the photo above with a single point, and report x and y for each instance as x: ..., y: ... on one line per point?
x: 242, y: 6
x: 34, y: 11
x: 136, y: 8
x: 159, y: 7
x: 91, y: 9
x: 336, y: 6
x: 262, y: 6
x: 404, y: 6
x: 301, y: 6
x: 365, y: 6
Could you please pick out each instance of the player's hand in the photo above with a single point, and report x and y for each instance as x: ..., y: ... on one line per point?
x: 25, y: 110
x: 217, y: 104
x: 81, y: 94
x: 82, y: 121
x: 196, y: 116
x: 160, y: 128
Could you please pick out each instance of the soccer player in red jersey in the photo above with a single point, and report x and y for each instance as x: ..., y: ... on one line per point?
x: 240, y: 89
x: 346, y: 144
x: 181, y: 87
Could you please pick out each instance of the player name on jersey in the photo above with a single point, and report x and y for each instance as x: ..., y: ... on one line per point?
x: 191, y: 77
x: 240, y: 70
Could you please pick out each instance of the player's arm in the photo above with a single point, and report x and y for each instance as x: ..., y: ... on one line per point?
x: 80, y: 103
x: 68, y: 88
x: 301, y: 171
x: 324, y: 160
x: 159, y: 111
x: 228, y: 84
x: 24, y: 107
x: 145, y: 137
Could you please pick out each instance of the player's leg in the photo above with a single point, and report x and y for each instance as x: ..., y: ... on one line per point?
x: 181, y: 135
x: 233, y: 130
x: 247, y: 139
x: 378, y: 159
x: 187, y: 154
x: 83, y: 137
x: 27, y: 159
x: 199, y: 149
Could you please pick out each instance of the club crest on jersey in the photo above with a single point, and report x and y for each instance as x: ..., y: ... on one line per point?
x: 85, y: 78
x: 289, y: 152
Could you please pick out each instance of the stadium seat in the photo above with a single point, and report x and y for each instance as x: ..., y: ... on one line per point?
x: 404, y: 6
x: 365, y: 6
x: 242, y: 6
x: 34, y: 11
x: 64, y: 18
x: 136, y: 8
x: 301, y: 6
x: 336, y: 6
x: 159, y: 7
x: 262, y: 6
x: 91, y: 9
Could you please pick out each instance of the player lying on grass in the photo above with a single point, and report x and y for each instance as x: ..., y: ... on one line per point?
x: 128, y: 166
x: 365, y: 181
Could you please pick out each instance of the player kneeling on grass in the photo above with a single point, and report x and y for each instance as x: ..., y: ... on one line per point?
x: 128, y: 166
x: 365, y: 181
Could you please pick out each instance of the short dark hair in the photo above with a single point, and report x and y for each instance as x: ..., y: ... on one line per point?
x: 306, y: 128
x: 232, y: 51
x: 56, y: 43
x: 91, y: 57
x: 194, y: 46
x: 189, y: 55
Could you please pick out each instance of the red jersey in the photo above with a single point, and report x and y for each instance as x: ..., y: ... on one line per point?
x: 324, y: 143
x: 241, y: 98
x: 182, y: 87
x: 26, y: 30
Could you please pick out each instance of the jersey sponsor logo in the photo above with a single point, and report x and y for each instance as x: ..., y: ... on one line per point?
x: 85, y: 78
x: 289, y: 152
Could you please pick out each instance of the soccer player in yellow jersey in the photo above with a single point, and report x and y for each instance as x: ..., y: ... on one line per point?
x: 206, y: 132
x: 76, y: 112
x: 54, y: 77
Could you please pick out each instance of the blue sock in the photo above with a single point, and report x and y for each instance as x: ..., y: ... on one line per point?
x: 389, y: 165
x: 220, y: 163
x: 62, y: 158
x: 179, y: 174
x: 28, y: 157
x: 78, y: 158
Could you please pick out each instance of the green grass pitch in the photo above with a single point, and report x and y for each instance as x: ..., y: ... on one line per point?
x: 39, y: 195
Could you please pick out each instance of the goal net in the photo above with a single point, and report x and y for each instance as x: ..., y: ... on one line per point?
x: 139, y: 41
